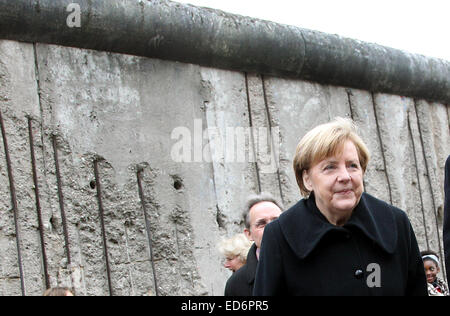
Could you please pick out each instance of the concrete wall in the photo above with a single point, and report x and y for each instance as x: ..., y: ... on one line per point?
x: 143, y: 165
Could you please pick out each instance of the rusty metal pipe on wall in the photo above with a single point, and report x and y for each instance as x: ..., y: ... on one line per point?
x: 178, y: 32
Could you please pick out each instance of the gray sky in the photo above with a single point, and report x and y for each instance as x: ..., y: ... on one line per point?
x: 416, y: 26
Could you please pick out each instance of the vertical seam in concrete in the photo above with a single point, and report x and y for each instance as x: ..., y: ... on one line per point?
x: 12, y: 190
x: 251, y: 132
x: 41, y: 110
x: 213, y: 178
x: 429, y: 181
x: 61, y: 200
x: 37, y: 76
x: 41, y: 124
x: 38, y: 203
x: 147, y: 227
x: 381, y: 147
x: 350, y: 103
x: 350, y: 106
x: 102, y: 225
x: 269, y: 119
x: 418, y: 182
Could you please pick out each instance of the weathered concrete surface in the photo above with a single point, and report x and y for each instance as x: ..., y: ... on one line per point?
x: 392, y: 117
x: 229, y: 143
x: 305, y: 106
x: 433, y: 127
x: 179, y: 32
x: 18, y: 100
x: 192, y: 134
x: 124, y: 119
x: 363, y: 113
x: 401, y: 162
x: 266, y: 136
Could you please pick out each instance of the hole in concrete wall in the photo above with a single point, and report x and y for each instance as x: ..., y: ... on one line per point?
x: 53, y: 222
x: 92, y: 184
x: 177, y: 184
x: 220, y: 217
x: 440, y: 214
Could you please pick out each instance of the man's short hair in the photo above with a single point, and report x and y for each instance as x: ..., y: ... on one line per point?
x: 255, y: 199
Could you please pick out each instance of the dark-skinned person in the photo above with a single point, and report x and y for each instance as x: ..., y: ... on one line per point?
x: 431, y: 264
x: 338, y: 240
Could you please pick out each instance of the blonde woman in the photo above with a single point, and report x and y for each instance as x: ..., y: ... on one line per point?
x: 58, y: 291
x: 235, y: 250
x: 338, y: 240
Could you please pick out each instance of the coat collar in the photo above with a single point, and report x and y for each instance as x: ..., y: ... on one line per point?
x: 303, y: 225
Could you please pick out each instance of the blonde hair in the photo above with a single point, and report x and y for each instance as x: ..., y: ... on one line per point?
x: 238, y: 245
x: 324, y: 141
x: 58, y: 291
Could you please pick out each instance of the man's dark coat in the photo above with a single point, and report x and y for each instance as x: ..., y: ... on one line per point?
x: 374, y: 253
x: 447, y: 218
x: 241, y: 282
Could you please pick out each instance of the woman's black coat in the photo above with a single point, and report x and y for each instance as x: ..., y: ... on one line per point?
x: 374, y: 253
x: 241, y: 282
x: 447, y: 217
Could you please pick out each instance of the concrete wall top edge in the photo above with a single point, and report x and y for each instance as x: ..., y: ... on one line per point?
x: 185, y: 33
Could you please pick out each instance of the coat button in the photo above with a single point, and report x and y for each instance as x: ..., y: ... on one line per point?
x: 359, y: 274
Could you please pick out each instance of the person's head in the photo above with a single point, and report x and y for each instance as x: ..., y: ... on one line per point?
x: 235, y: 250
x: 260, y: 210
x: 431, y: 265
x: 330, y: 161
x: 58, y: 291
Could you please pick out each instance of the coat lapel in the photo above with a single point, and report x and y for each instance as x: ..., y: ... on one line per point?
x: 252, y: 263
x: 303, y: 225
x: 376, y: 220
